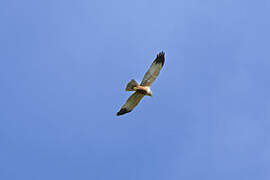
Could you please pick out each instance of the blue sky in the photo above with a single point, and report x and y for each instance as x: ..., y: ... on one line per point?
x: 64, y: 66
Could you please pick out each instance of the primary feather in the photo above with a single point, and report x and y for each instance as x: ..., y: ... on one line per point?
x: 152, y: 73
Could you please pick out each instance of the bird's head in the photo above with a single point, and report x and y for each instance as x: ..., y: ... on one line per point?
x: 150, y: 94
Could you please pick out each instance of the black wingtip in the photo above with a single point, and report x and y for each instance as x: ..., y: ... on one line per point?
x: 160, y: 58
x: 122, y: 111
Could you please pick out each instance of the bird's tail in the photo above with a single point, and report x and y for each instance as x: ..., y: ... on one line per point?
x: 131, y: 85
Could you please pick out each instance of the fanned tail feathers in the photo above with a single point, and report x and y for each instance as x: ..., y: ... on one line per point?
x: 131, y: 85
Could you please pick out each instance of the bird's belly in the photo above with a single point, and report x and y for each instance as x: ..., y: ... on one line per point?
x: 142, y: 90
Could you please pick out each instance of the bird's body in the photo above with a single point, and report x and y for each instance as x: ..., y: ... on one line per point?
x: 144, y: 88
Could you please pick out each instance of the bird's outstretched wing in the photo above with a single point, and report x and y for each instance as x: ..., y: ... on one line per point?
x: 154, y: 70
x: 130, y: 104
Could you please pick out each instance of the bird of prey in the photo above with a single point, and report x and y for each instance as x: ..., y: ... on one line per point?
x: 144, y: 88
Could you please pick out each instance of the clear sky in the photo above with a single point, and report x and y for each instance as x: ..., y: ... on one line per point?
x: 64, y: 65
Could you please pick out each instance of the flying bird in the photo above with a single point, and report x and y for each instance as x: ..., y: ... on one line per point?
x: 142, y: 89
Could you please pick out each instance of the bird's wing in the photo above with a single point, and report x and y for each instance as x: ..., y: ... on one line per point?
x: 154, y: 70
x: 130, y: 104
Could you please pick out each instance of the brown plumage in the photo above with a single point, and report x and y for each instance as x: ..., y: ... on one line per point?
x: 144, y: 88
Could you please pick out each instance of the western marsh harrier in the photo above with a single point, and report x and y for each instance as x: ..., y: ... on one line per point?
x: 144, y: 88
